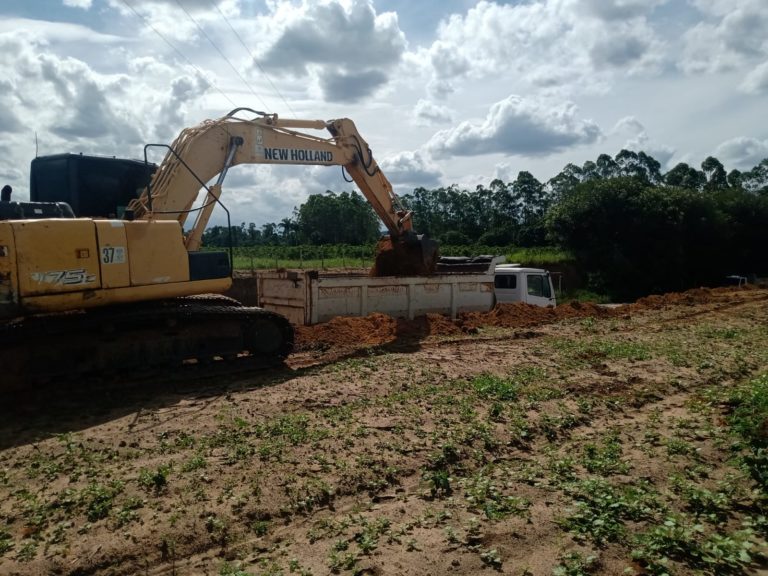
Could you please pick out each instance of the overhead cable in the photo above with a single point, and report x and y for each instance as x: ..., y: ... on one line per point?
x: 253, y: 58
x: 187, y: 60
x: 212, y: 43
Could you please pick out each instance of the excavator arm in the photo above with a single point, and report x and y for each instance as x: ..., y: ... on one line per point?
x: 208, y: 150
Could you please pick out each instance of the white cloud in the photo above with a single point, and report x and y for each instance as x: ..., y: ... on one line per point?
x: 641, y: 142
x: 427, y: 113
x: 629, y: 124
x: 742, y: 152
x: 732, y: 36
x: 506, y: 172
x: 177, y: 24
x: 109, y: 86
x: 345, y: 47
x: 184, y: 89
x: 70, y: 107
x: 518, y: 126
x: 620, y: 9
x: 43, y: 32
x: 411, y: 169
x: 756, y: 82
x: 9, y: 121
x: 351, y: 86
x: 565, y: 44
x: 622, y: 47
x: 84, y: 4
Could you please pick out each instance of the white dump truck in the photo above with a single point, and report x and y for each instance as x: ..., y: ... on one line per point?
x: 308, y: 297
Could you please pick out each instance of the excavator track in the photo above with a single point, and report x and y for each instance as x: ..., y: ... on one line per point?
x: 137, y: 338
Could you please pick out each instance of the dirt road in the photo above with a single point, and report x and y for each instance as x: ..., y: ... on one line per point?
x: 526, y: 441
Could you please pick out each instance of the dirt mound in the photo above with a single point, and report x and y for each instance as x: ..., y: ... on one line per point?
x: 521, y: 315
x: 372, y: 330
x: 691, y: 297
x: 380, y: 329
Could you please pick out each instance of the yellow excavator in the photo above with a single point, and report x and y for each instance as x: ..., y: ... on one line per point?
x: 80, y: 295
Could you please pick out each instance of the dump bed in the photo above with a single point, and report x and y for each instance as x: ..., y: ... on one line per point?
x: 308, y: 297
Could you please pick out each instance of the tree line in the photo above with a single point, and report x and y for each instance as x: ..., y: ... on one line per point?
x: 631, y: 228
x: 330, y: 218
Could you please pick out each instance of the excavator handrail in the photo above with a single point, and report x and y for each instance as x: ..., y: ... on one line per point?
x: 231, y: 113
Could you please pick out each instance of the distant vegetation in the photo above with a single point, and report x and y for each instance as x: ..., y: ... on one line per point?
x: 631, y: 229
x: 307, y: 256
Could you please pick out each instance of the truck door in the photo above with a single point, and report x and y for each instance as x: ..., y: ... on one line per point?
x: 539, y: 290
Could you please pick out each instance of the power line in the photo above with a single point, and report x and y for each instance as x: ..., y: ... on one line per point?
x: 187, y: 60
x: 212, y: 43
x: 253, y: 57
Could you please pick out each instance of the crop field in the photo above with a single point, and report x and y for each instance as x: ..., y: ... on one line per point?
x: 348, y: 256
x: 526, y: 441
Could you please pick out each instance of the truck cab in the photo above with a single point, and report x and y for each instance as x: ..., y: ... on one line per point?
x: 513, y: 283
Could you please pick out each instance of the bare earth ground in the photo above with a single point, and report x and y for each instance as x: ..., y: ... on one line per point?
x: 526, y: 441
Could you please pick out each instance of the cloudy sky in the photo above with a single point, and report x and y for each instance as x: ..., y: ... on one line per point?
x: 445, y: 91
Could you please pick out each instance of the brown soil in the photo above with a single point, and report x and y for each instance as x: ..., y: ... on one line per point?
x: 395, y: 447
x: 376, y: 329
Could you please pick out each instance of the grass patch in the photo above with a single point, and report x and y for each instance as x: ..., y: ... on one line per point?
x: 495, y: 387
x: 749, y: 420
x: 682, y: 540
x: 596, y: 351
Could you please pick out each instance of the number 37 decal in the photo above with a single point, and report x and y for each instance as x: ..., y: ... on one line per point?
x: 113, y: 255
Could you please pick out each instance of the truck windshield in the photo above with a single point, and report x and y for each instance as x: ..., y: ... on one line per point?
x: 538, y: 285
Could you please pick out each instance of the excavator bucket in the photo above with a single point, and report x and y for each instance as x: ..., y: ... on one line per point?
x: 408, y: 256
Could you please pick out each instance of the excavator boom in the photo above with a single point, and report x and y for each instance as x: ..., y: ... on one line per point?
x: 208, y: 150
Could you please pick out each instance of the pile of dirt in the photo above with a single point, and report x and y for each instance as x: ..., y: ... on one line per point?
x: 345, y: 331
x: 521, y: 315
x: 691, y: 297
x: 379, y: 329
x: 372, y: 330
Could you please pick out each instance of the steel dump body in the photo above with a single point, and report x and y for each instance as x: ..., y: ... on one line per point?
x: 309, y: 297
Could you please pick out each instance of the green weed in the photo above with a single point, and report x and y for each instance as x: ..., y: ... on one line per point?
x: 605, y: 459
x: 491, y: 558
x: 156, y: 479
x: 98, y: 499
x: 27, y: 551
x: 490, y: 386
x: 601, y: 510
x: 6, y: 541
x: 574, y: 564
x: 485, y: 495
x: 680, y: 540
x: 228, y: 569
